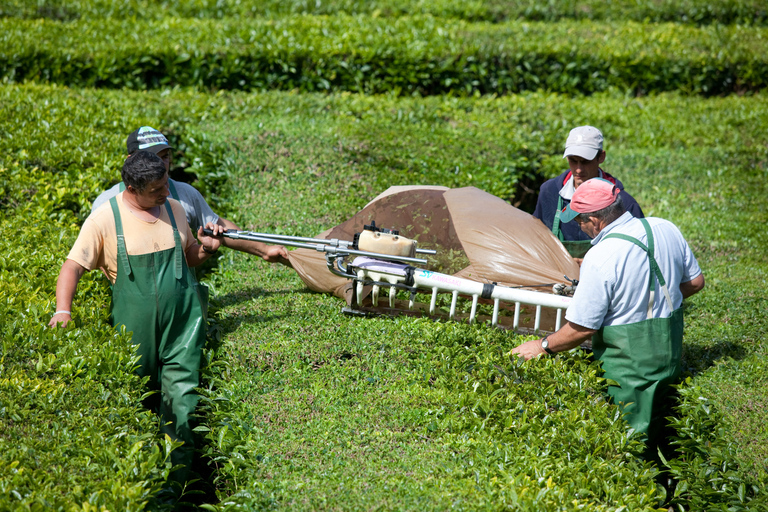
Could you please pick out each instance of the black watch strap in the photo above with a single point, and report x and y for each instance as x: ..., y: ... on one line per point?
x: 545, y: 346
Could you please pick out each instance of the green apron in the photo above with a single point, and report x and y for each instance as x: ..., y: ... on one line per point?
x: 644, y: 358
x: 202, y: 288
x: 156, y: 297
x: 576, y: 248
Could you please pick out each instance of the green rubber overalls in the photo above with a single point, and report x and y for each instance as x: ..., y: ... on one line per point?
x: 156, y: 297
x: 643, y: 357
x: 576, y: 248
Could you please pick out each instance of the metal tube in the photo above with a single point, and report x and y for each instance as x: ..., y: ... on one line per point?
x: 333, y: 246
x: 284, y: 239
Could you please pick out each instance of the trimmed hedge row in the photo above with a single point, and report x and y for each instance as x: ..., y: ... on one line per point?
x: 64, y: 145
x: 422, y: 56
x: 73, y: 431
x: 686, y: 11
x: 72, y: 428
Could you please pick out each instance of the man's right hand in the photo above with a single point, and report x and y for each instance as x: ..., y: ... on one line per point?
x: 60, y: 318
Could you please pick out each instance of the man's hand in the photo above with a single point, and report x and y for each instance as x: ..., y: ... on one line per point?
x: 569, y: 336
x: 276, y: 254
x: 210, y: 243
x: 527, y: 350
x: 62, y: 318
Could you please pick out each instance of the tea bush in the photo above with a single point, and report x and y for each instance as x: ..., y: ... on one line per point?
x: 688, y: 11
x: 305, y: 408
x: 419, y: 55
x: 72, y: 428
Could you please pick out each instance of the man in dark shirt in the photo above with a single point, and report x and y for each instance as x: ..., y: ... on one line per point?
x: 584, y: 151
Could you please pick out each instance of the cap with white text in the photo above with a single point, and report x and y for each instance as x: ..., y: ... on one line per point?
x: 146, y: 138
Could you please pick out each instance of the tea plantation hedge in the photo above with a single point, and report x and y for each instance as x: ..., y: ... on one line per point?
x: 686, y: 11
x: 304, y: 407
x: 412, y: 55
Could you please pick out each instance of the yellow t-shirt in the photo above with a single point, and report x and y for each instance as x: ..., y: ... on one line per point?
x: 96, y: 245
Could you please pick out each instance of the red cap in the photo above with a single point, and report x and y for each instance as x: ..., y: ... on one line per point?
x: 591, y: 196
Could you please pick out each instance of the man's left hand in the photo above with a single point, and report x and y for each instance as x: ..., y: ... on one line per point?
x: 276, y: 254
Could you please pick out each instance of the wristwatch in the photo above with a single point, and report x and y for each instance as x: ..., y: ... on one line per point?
x: 545, y: 346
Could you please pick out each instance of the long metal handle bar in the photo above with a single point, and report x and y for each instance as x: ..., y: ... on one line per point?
x: 285, y: 238
x: 333, y: 246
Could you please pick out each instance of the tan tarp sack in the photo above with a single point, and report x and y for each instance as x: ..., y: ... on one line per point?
x: 477, y: 236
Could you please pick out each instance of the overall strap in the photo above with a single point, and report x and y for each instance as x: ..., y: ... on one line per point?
x: 172, y: 190
x: 556, y: 221
x: 655, y: 270
x: 122, y: 253
x: 121, y: 187
x: 176, y: 241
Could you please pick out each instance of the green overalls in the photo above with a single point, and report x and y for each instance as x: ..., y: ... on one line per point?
x: 576, y: 248
x: 643, y: 357
x: 157, y: 297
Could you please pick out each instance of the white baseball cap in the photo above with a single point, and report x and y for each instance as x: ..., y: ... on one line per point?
x: 584, y: 141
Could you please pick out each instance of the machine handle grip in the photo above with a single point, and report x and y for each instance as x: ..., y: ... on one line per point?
x: 209, y: 232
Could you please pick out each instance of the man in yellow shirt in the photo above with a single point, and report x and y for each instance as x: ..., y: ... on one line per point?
x: 142, y: 242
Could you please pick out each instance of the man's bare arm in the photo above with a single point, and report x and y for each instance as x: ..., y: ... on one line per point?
x: 695, y: 285
x: 270, y: 253
x: 66, y: 287
x: 569, y: 336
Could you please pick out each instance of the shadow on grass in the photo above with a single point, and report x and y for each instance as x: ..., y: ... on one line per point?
x: 697, y: 358
x: 240, y: 296
x: 229, y: 323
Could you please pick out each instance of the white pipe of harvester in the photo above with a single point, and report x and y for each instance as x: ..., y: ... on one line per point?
x: 437, y: 282
x: 434, y: 280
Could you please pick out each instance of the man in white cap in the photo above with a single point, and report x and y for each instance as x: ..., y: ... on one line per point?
x: 584, y: 151
x: 198, y: 212
x: 631, y: 289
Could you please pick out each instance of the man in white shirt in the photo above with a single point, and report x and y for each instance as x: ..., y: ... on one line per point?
x: 631, y: 287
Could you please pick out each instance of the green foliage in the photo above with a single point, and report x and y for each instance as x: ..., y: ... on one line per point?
x: 305, y: 407
x: 707, y: 470
x: 412, y: 55
x: 72, y: 428
x: 687, y: 11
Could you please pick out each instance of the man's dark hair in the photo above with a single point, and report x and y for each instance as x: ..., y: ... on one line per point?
x: 608, y: 214
x: 142, y: 168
